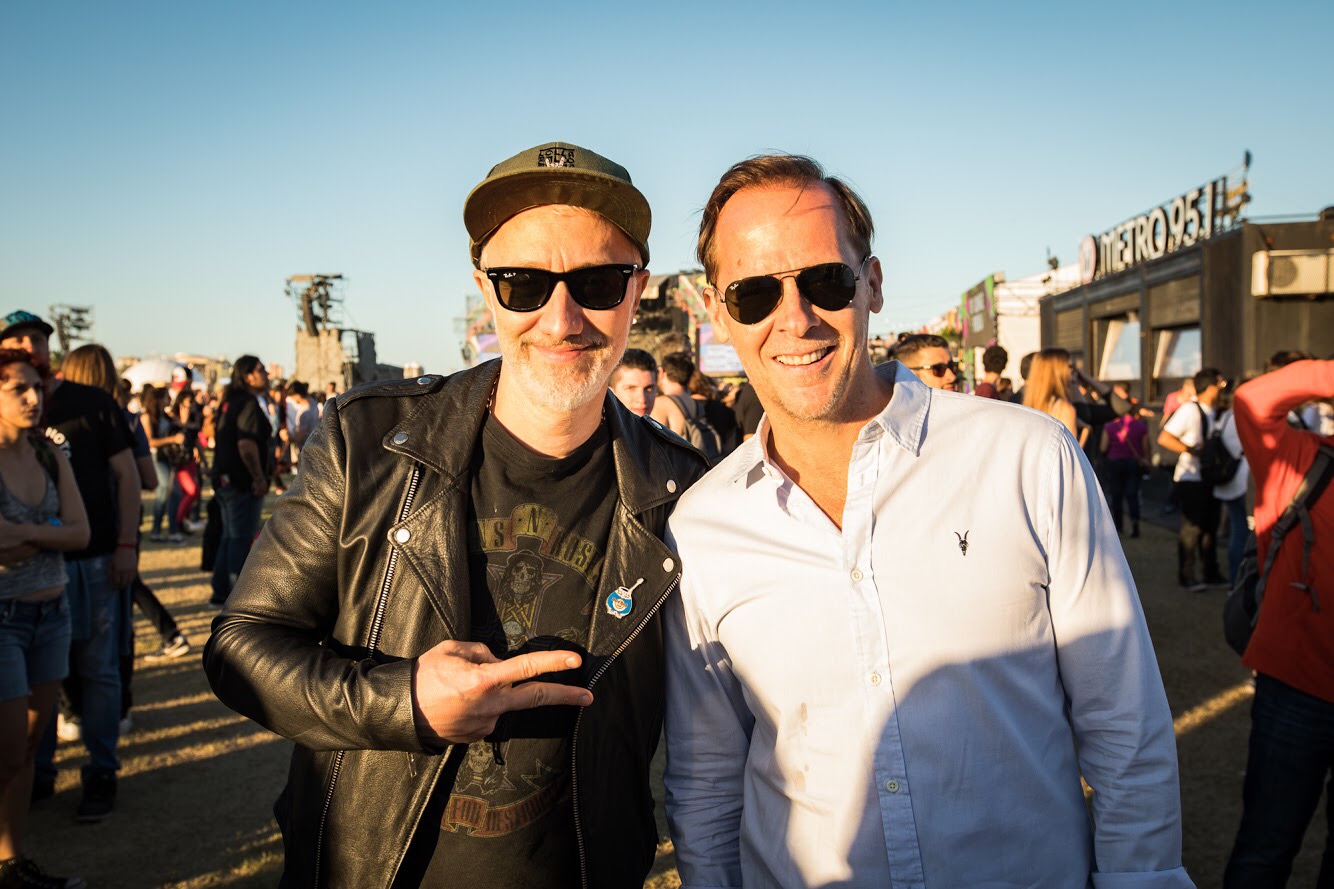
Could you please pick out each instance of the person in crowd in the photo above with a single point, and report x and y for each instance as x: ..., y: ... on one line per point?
x: 88, y: 425
x: 167, y: 440
x: 1005, y: 389
x: 281, y: 422
x: 1025, y: 364
x: 1125, y: 444
x: 509, y: 518
x: 1318, y: 417
x: 1231, y: 495
x: 92, y: 365
x: 994, y: 360
x: 1178, y: 397
x: 143, y: 452
x: 304, y: 416
x: 635, y: 381
x: 1291, y: 747
x: 188, y: 416
x: 41, y: 517
x: 1184, y: 434
x: 674, y: 392
x: 922, y: 729
x: 242, y: 467
x: 1047, y: 389
x: 721, y: 417
x: 746, y: 405
x: 928, y: 356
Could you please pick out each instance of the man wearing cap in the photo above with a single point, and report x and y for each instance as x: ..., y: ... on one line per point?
x: 489, y: 528
x: 87, y: 424
x: 883, y: 671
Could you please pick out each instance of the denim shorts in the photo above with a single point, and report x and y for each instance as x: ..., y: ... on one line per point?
x: 34, y: 645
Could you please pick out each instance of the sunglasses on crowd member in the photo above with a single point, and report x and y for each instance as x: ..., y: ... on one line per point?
x: 938, y: 370
x: 593, y: 287
x: 829, y: 286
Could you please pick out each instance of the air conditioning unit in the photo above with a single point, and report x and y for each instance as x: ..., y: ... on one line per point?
x: 1292, y: 272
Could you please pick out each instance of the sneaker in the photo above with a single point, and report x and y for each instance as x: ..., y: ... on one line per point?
x: 176, y: 538
x: 193, y: 527
x: 126, y: 724
x: 1198, y: 587
x: 99, y: 795
x: 157, y: 537
x: 68, y: 728
x: 24, y: 872
x: 174, y: 647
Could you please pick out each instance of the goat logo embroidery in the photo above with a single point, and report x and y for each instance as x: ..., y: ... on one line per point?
x: 963, y: 542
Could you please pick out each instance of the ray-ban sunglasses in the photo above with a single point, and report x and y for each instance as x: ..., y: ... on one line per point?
x: 829, y: 286
x: 593, y: 287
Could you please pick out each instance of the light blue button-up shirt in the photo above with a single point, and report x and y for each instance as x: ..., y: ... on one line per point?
x: 911, y: 701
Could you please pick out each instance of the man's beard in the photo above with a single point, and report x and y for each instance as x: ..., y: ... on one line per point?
x: 562, y: 389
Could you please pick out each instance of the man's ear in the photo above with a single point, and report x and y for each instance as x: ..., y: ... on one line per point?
x: 484, y: 284
x: 875, y: 279
x: 713, y: 302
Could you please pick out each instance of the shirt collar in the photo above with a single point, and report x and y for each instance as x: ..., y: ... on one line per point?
x: 903, y: 420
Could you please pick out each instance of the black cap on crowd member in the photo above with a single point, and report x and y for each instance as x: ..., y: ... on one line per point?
x: 19, y: 319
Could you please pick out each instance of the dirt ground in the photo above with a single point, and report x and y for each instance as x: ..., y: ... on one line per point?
x: 198, y: 782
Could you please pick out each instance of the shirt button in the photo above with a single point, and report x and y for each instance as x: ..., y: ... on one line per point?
x: 668, y: 564
x: 892, y: 786
x: 402, y: 535
x: 856, y: 575
x: 401, y: 438
x: 875, y: 678
x: 671, y: 486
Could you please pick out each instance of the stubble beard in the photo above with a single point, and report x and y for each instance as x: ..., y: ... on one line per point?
x: 562, y: 390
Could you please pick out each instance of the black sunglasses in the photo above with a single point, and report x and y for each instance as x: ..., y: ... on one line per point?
x: 938, y: 370
x: 829, y: 286
x: 594, y: 287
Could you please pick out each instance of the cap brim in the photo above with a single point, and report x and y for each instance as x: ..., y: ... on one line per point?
x: 14, y: 328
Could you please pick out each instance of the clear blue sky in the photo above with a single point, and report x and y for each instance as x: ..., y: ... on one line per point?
x: 172, y: 163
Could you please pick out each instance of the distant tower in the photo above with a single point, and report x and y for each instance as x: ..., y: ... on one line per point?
x: 72, y: 323
x: 326, y: 351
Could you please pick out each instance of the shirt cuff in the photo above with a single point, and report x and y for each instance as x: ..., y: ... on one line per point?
x: 1176, y: 878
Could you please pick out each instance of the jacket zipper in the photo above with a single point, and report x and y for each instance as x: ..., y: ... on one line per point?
x: 373, y: 639
x: 578, y: 720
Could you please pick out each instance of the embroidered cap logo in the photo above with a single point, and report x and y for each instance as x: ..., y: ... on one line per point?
x: 555, y: 157
x: 963, y: 542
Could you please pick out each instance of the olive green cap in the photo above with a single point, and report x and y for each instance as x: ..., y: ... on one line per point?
x: 556, y: 173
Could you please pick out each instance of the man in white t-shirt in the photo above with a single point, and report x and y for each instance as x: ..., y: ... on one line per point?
x: 1184, y: 433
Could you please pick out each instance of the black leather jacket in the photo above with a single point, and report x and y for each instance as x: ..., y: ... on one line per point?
x: 363, y: 567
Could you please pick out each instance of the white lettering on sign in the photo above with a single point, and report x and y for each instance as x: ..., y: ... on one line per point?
x: 1182, y: 222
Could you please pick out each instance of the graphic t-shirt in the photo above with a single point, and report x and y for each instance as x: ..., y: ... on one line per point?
x: 538, y: 535
x: 88, y: 425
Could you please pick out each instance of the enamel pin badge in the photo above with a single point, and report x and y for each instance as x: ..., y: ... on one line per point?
x: 622, y: 600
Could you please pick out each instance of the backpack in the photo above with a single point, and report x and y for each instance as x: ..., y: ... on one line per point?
x: 1242, y: 608
x: 1217, y: 465
x: 699, y: 431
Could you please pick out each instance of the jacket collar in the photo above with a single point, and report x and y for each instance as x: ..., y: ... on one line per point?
x: 441, y: 432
